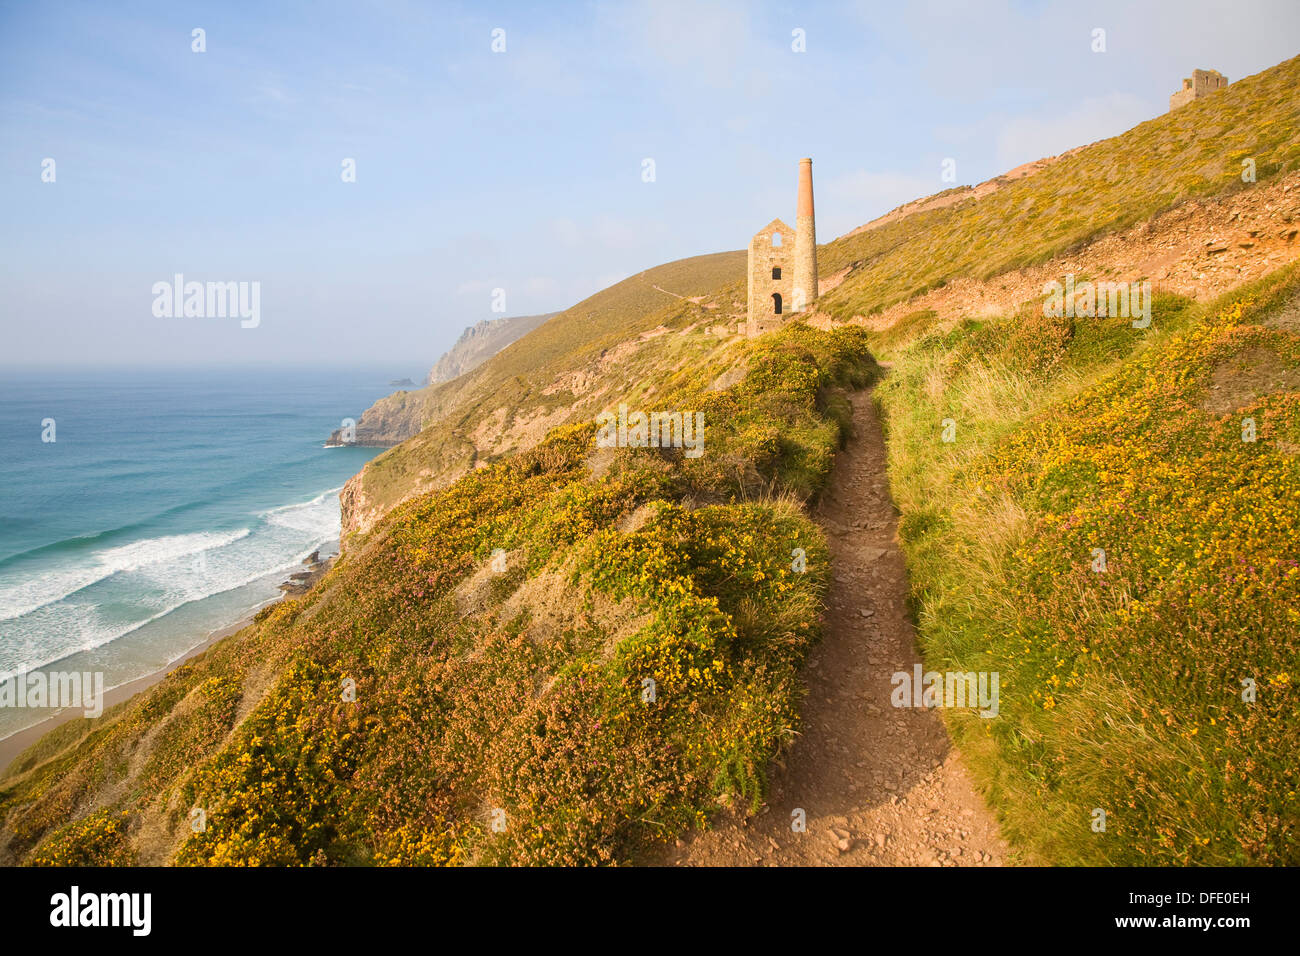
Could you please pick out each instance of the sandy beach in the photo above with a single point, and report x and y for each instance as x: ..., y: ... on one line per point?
x: 13, y: 745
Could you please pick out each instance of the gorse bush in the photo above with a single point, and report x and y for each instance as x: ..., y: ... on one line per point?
x: 100, y: 839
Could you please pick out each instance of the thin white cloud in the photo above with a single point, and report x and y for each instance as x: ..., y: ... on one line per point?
x: 848, y: 201
x: 540, y: 286
x: 699, y: 43
x: 604, y: 232
x: 273, y: 94
x: 1026, y: 138
x: 566, y: 232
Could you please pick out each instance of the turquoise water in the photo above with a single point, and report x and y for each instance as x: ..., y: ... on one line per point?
x: 170, y: 504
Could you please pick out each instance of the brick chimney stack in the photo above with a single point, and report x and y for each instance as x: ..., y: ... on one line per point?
x: 805, y: 243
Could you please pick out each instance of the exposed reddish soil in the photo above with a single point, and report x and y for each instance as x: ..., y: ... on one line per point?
x: 1199, y: 249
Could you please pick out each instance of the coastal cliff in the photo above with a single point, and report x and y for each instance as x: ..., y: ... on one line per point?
x: 402, y: 415
x: 480, y: 342
x: 566, y: 370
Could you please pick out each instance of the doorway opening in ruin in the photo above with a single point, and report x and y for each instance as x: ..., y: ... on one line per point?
x: 776, y: 303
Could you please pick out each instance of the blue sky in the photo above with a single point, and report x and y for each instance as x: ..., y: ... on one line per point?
x: 519, y: 170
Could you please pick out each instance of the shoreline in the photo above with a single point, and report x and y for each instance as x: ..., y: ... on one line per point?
x: 298, y: 582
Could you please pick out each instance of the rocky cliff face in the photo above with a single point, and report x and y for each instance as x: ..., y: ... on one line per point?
x: 356, y: 511
x: 390, y: 420
x: 397, y: 417
x: 480, y: 342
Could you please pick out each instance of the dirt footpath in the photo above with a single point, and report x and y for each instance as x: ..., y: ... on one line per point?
x: 879, y: 785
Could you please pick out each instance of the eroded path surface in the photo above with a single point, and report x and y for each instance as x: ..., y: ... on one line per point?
x: 880, y: 786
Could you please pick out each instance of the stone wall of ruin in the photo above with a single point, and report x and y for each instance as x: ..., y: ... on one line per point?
x: 1200, y: 83
x: 763, y: 258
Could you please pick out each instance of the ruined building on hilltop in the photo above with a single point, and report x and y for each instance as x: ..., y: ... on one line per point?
x: 1200, y: 83
x: 783, y: 264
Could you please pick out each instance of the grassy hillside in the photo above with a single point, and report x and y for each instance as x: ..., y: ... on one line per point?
x: 1122, y: 682
x: 508, y: 402
x: 512, y: 695
x: 614, y: 314
x: 1194, y: 151
x: 574, y: 336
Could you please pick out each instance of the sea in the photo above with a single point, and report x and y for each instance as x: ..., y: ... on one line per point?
x: 141, y: 510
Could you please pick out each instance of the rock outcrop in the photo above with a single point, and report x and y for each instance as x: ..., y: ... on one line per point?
x: 480, y: 342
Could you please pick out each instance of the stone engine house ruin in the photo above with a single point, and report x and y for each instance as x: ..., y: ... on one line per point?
x: 1200, y: 83
x: 783, y: 264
